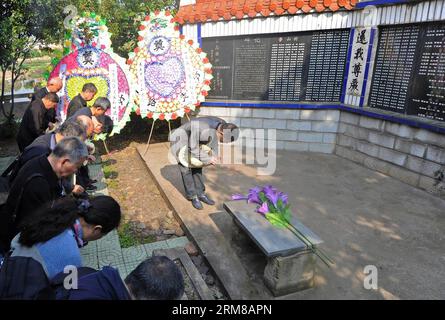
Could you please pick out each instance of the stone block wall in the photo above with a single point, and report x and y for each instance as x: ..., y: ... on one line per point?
x: 296, y: 130
x: 409, y: 154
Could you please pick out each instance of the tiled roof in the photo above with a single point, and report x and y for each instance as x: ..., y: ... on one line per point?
x: 214, y: 10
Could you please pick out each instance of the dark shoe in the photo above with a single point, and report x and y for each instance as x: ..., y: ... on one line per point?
x: 204, y: 198
x: 91, y: 182
x: 197, y: 204
x: 83, y: 195
x: 91, y: 187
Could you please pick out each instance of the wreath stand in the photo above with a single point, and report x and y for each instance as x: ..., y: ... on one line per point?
x: 151, y: 132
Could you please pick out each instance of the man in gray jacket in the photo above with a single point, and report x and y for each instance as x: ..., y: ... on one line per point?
x: 193, y: 134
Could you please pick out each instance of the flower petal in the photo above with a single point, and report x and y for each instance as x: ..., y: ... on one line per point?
x: 263, y: 209
x: 272, y: 196
x: 253, y: 198
x: 255, y: 190
x: 238, y: 196
x: 284, y: 197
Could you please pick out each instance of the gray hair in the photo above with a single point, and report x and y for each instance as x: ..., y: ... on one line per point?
x: 84, y: 121
x: 72, y: 129
x: 51, y: 96
x: 72, y: 148
x: 103, y: 103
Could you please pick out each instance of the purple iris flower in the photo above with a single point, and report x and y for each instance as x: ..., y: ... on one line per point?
x: 269, y: 189
x: 284, y: 197
x: 273, y: 196
x: 238, y: 196
x: 263, y: 209
x: 256, y: 190
x: 253, y: 197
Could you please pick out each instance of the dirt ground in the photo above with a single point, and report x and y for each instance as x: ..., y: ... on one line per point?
x: 146, y: 214
x: 141, y: 201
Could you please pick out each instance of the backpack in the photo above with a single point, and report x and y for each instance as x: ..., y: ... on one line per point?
x: 23, y: 278
x: 57, y: 287
x: 104, y: 284
x: 8, y: 217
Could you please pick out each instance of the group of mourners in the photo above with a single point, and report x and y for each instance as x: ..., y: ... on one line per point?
x: 49, y: 215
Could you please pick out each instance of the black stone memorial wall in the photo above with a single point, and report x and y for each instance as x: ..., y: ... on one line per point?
x: 409, y: 70
x: 306, y: 66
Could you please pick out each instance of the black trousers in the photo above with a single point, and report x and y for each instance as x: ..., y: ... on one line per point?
x: 83, y: 176
x: 193, y: 181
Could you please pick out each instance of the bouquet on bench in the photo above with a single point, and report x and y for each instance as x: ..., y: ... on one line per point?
x: 274, y: 206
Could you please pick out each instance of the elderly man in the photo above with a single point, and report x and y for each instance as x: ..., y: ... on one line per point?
x: 100, y: 106
x: 38, y: 184
x: 200, y: 131
x: 45, y: 144
x: 89, y: 90
x: 97, y: 114
x: 54, y: 85
x: 34, y: 121
x: 98, y: 122
x: 86, y: 122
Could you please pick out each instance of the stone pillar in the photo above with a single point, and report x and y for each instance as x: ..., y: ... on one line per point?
x: 284, y: 275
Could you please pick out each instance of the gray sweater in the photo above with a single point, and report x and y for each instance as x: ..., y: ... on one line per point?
x: 193, y: 133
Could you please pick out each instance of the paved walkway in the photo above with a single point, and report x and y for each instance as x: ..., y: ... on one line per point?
x: 5, y: 162
x: 364, y: 217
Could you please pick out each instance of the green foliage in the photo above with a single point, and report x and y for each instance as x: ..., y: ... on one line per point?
x: 128, y: 238
x: 262, y: 197
x: 25, y: 25
x: 277, y: 220
x: 109, y: 172
x: 123, y: 18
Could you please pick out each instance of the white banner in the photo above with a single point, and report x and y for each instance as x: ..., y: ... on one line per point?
x: 357, y: 63
x: 115, y: 105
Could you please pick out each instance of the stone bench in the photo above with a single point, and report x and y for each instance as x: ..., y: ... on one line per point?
x: 290, y: 264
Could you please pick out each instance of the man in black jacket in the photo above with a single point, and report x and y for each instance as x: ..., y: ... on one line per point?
x: 34, y: 121
x: 89, y: 90
x: 38, y: 184
x: 46, y: 143
x: 100, y: 106
x: 97, y: 114
x: 54, y: 85
x: 203, y: 130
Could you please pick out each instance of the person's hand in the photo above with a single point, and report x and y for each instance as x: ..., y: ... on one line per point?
x: 91, y: 158
x: 78, y: 189
x: 214, y: 161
